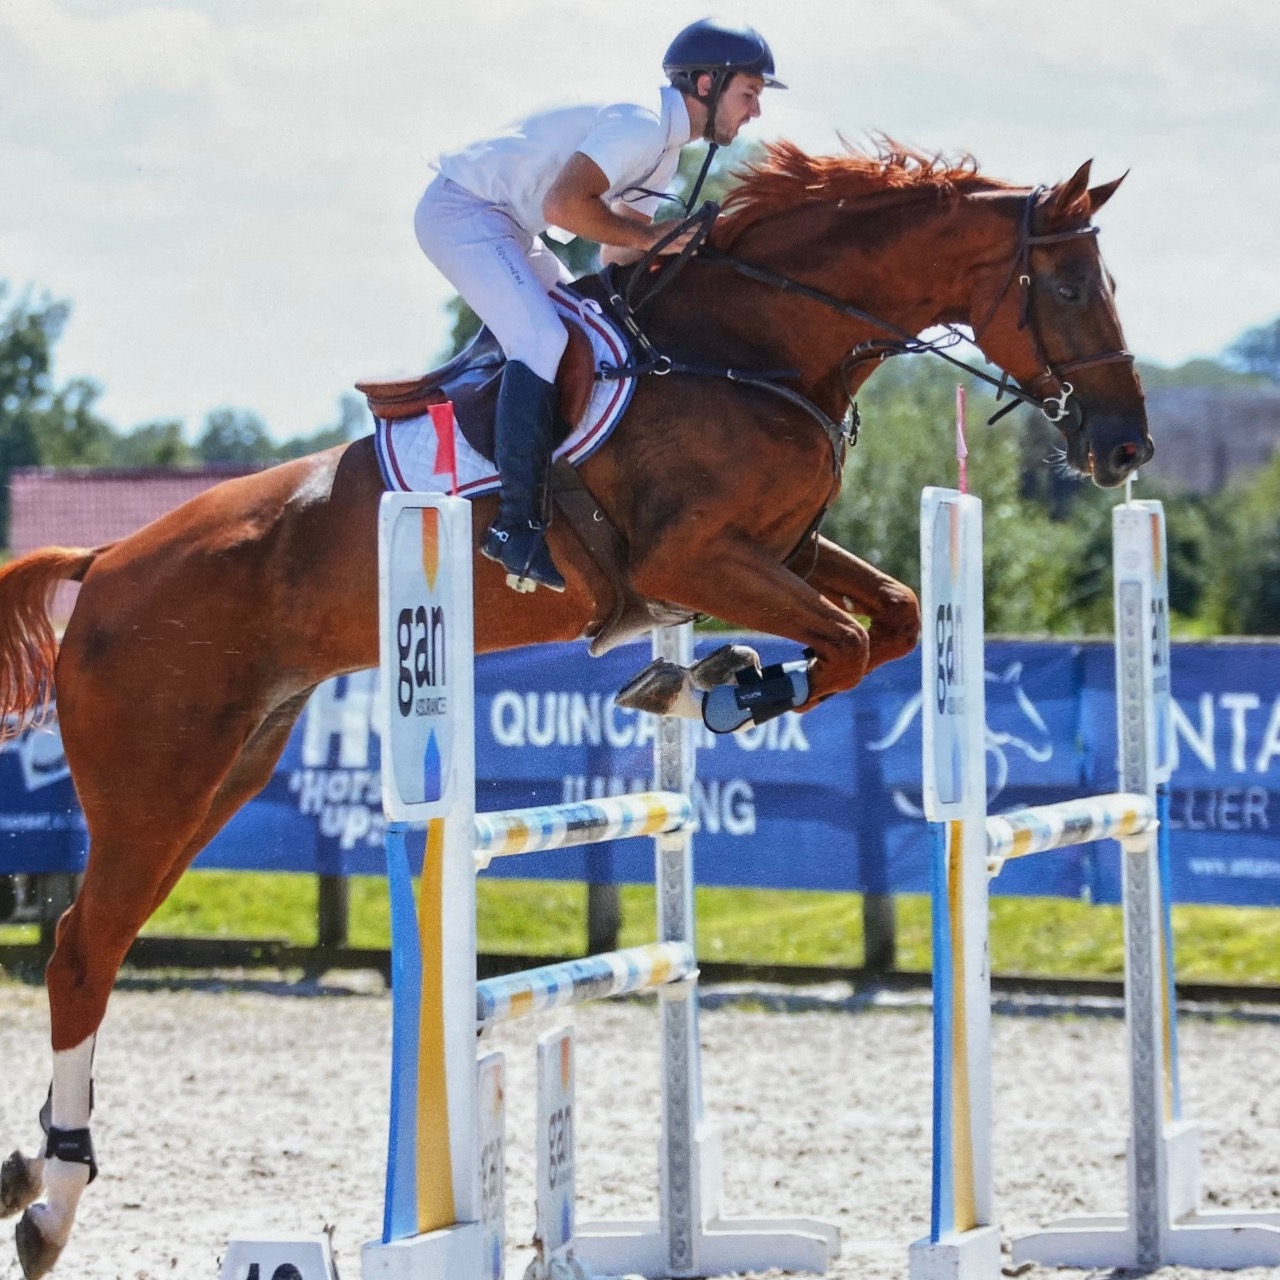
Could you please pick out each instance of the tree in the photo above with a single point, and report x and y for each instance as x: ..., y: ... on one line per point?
x: 907, y: 442
x: 1258, y: 351
x: 29, y: 328
x: 234, y: 435
x: 354, y: 419
x: 67, y: 431
x: 41, y: 423
x: 1242, y: 588
x: 154, y: 444
x: 353, y: 422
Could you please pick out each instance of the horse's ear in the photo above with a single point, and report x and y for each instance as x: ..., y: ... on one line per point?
x: 1070, y: 198
x: 1098, y: 196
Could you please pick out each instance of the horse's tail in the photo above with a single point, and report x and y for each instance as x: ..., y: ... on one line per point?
x: 28, y: 646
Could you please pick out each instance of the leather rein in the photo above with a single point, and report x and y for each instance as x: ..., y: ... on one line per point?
x: 1037, y: 392
x: 626, y: 304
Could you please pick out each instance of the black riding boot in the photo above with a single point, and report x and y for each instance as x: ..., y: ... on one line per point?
x: 522, y: 450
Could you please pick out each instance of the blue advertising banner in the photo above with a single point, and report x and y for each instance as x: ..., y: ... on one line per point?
x: 830, y: 800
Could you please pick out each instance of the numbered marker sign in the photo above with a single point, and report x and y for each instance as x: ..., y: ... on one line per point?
x: 1142, y: 622
x: 425, y: 620
x: 555, y: 1190
x: 490, y: 1073
x: 281, y: 1257
x: 954, y: 711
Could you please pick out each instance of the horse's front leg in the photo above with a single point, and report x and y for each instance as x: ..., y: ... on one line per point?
x: 740, y: 584
x: 860, y: 588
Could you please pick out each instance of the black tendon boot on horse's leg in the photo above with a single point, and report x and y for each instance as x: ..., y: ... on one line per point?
x: 522, y: 448
x: 69, y: 1165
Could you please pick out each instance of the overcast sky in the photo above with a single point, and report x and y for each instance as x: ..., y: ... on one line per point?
x: 224, y: 189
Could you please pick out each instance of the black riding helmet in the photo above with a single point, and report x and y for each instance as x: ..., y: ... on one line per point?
x: 711, y: 47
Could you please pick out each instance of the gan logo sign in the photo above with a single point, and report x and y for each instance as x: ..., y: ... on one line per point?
x: 425, y: 624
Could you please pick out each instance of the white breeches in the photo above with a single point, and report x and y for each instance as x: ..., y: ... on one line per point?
x: 502, y: 271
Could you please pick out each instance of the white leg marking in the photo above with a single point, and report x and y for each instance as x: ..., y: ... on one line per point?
x: 65, y: 1183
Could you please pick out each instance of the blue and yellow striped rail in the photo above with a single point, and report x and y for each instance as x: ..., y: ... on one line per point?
x: 1057, y: 826
x: 614, y: 973
x: 556, y: 826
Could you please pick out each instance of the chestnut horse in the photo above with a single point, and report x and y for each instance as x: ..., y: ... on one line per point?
x: 196, y: 641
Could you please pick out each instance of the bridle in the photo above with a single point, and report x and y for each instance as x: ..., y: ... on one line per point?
x: 1037, y: 393
x: 1054, y: 407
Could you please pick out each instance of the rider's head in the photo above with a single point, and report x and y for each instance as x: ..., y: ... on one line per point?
x: 721, y: 71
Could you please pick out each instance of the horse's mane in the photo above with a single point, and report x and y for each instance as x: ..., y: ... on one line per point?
x: 788, y: 177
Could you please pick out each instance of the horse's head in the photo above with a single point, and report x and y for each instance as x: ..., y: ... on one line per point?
x: 1045, y: 313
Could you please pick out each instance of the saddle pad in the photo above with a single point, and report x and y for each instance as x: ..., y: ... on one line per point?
x: 407, y: 449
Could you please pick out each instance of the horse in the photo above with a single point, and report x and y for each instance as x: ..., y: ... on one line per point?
x: 195, y: 642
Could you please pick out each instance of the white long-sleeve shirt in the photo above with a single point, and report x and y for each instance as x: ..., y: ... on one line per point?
x: 633, y: 146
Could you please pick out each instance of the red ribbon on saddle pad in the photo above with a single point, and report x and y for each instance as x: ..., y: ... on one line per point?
x: 446, y: 455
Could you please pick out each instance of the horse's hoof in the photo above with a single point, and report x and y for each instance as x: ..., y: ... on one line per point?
x: 721, y: 665
x: 36, y: 1254
x: 20, y: 1183
x: 656, y: 689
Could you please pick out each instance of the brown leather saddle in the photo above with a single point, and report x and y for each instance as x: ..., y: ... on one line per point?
x: 471, y: 380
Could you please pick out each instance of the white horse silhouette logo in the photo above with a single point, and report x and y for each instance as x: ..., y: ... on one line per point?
x: 39, y: 752
x: 1008, y: 689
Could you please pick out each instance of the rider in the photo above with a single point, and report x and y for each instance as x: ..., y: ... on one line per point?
x: 596, y: 172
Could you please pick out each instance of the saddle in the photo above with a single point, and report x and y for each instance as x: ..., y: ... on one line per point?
x: 471, y: 380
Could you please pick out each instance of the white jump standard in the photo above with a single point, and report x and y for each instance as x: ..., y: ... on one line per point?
x: 444, y: 1205
x: 1163, y: 1224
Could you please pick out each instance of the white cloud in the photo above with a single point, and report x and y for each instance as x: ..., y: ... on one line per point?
x: 224, y: 189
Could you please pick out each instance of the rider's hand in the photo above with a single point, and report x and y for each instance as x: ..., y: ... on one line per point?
x: 674, y: 246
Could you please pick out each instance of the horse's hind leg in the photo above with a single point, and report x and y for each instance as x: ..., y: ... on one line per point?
x: 131, y: 871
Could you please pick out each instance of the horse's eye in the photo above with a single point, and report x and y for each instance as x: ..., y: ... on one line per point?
x: 1068, y: 293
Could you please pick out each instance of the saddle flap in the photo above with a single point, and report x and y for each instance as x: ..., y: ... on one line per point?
x: 471, y: 381
x: 397, y: 399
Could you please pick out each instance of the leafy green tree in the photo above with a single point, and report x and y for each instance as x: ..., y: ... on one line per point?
x: 234, y: 435
x: 354, y: 419
x: 1258, y: 351
x: 464, y: 324
x: 29, y: 327
x: 67, y: 431
x: 353, y: 422
x: 1242, y: 580
x: 41, y: 423
x: 153, y: 444
x: 1201, y: 373
x: 907, y: 441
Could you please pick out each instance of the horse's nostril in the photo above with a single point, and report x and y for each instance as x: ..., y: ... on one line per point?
x: 1125, y: 456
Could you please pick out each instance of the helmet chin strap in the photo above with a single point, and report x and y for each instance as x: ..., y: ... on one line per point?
x: 702, y: 177
x: 712, y: 102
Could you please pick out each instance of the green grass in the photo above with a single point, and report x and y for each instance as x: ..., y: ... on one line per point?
x: 1049, y: 936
